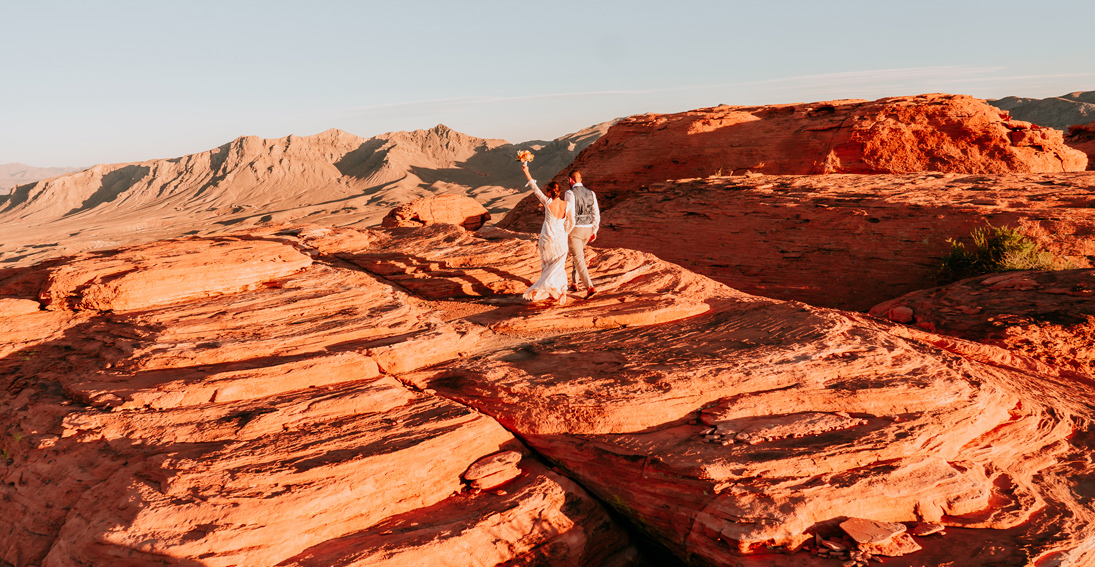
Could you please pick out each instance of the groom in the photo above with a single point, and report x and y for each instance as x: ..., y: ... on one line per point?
x: 587, y: 220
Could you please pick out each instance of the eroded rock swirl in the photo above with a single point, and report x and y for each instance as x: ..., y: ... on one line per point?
x: 381, y: 397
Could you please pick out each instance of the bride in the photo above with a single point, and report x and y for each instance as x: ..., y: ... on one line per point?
x: 558, y: 221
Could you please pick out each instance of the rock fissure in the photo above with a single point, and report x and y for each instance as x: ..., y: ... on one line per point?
x: 376, y: 407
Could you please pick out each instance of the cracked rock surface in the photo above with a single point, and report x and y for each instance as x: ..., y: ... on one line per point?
x: 391, y: 401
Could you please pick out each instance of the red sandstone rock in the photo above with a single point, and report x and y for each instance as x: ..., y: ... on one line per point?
x: 922, y: 530
x: 252, y: 428
x: 844, y: 241
x: 935, y: 132
x: 445, y: 262
x: 1082, y: 137
x: 852, y: 417
x: 493, y: 470
x: 615, y: 409
x: 900, y: 544
x: 441, y: 209
x: 1049, y: 316
x: 184, y: 270
x: 11, y: 306
x: 880, y: 538
x: 538, y: 521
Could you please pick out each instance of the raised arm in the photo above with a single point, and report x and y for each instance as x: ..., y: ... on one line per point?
x: 535, y: 188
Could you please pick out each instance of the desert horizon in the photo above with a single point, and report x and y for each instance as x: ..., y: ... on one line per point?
x: 1058, y: 112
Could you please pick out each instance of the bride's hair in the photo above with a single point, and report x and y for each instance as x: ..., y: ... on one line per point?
x: 553, y: 190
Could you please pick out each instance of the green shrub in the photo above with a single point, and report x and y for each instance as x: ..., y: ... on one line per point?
x: 996, y: 249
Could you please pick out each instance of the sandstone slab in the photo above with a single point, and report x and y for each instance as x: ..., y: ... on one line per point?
x: 844, y: 241
x: 927, y: 133
x: 541, y: 519
x: 1046, y: 315
x: 441, y: 209
x: 880, y: 538
x: 323, y: 427
x: 10, y: 306
x: 616, y: 409
x: 183, y: 270
x: 241, y: 417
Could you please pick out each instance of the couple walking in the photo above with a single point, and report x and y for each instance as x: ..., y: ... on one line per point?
x: 570, y: 222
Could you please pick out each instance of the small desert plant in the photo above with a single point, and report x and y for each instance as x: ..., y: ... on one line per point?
x: 996, y: 249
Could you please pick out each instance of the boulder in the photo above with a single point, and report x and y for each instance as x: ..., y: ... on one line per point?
x: 879, y: 538
x: 440, y: 209
x: 923, y: 530
x: 493, y: 470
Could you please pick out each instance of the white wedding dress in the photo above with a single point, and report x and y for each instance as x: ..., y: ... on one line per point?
x: 553, y: 251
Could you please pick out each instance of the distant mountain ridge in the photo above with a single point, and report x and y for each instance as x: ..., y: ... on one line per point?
x: 1058, y: 112
x: 334, y: 177
x: 15, y: 174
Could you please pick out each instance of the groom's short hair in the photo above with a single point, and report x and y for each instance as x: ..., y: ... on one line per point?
x: 576, y: 176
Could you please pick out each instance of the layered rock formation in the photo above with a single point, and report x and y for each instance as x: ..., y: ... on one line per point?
x: 335, y: 177
x: 357, y: 402
x: 665, y: 185
x: 940, y: 133
x: 1049, y: 316
x: 844, y: 241
x: 253, y: 425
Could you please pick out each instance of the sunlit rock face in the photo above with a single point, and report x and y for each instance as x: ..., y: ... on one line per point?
x: 442, y: 209
x: 845, y: 241
x: 232, y: 401
x: 927, y: 133
x: 1047, y: 315
x: 384, y: 397
x: 839, y: 204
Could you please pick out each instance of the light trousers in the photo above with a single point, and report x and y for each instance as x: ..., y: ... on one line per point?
x: 579, y: 237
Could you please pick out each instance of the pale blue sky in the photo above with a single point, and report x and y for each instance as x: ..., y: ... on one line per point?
x: 117, y: 81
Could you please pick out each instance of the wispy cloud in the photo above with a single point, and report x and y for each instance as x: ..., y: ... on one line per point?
x: 1030, y: 77
x: 480, y: 100
x: 953, y: 72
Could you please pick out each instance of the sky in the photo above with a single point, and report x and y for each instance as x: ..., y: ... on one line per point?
x: 123, y: 81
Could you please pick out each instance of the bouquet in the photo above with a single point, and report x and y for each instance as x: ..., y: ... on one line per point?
x: 524, y: 156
